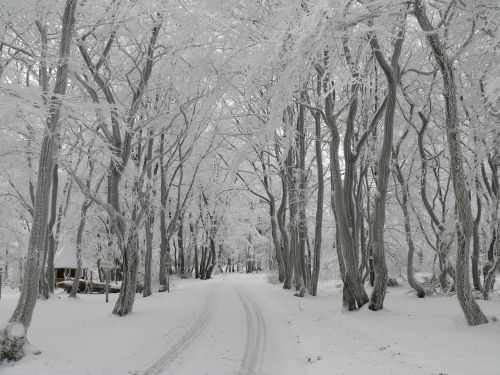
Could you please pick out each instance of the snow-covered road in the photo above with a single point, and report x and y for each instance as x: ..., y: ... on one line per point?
x: 241, y: 324
x: 220, y: 326
x: 236, y: 332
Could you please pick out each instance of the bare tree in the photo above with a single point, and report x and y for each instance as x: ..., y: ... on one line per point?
x: 13, y: 336
x: 471, y: 309
x: 391, y: 71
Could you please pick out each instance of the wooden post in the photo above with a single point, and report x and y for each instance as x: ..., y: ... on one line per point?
x: 107, y: 266
x: 2, y: 270
x: 107, y: 284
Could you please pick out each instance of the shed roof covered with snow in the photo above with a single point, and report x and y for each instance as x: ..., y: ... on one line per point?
x: 65, y: 257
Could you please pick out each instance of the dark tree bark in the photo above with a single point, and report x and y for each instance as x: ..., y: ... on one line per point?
x: 195, y: 245
x: 164, y: 246
x: 275, y: 234
x: 285, y: 243
x: 51, y: 243
x: 354, y: 293
x: 319, y: 205
x: 203, y: 262
x: 180, y: 242
x: 391, y: 71
x: 489, y: 280
x: 13, y: 335
x: 403, y: 202
x: 470, y: 308
x: 149, y: 220
x: 79, y: 237
x: 476, y: 278
x: 296, y: 183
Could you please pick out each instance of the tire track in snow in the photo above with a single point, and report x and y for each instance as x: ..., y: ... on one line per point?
x: 253, y: 355
x: 192, y: 334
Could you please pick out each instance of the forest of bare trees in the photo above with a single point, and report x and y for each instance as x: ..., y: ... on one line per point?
x: 313, y: 140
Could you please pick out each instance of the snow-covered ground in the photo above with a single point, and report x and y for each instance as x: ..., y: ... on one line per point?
x: 241, y: 324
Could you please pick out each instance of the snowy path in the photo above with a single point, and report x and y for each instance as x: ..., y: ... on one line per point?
x: 256, y: 336
x: 242, y: 325
x: 230, y: 336
x: 192, y: 334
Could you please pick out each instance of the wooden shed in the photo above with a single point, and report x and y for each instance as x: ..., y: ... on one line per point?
x: 65, y: 263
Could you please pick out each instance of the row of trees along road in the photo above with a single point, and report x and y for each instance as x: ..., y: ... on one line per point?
x: 193, y: 138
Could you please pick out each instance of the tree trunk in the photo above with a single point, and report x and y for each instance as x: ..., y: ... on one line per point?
x: 51, y: 244
x: 79, y: 236
x: 43, y: 285
x: 276, y: 241
x: 195, y: 244
x: 354, y: 293
x: 443, y: 243
x: 490, y: 278
x: 319, y: 208
x: 203, y: 262
x: 470, y: 308
x: 293, y: 205
x: 378, y: 219
x: 180, y: 241
x: 409, y: 240
x: 13, y: 336
x: 149, y: 213
x: 491, y: 248
x: 126, y: 298
x: 274, y: 223
x: 285, y: 244
x: 164, y: 248
x: 301, y: 200
x: 148, y: 229
x: 476, y: 278
x: 212, y: 261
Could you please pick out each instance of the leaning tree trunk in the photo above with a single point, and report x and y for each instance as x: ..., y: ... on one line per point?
x: 490, y: 276
x: 378, y: 219
x: 43, y: 285
x: 13, y: 335
x: 409, y: 240
x: 130, y: 264
x: 470, y: 308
